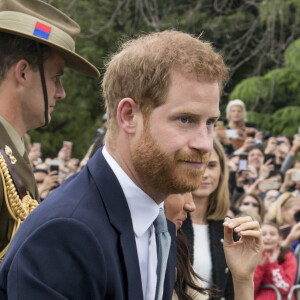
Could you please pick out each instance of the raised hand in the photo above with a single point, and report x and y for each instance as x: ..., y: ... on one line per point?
x: 242, y: 256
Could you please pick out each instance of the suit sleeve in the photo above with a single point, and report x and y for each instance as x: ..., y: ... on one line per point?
x: 60, y: 259
x: 283, y: 275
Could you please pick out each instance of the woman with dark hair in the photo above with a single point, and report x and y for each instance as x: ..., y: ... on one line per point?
x: 278, y: 266
x: 188, y: 285
x: 251, y: 201
x: 203, y: 228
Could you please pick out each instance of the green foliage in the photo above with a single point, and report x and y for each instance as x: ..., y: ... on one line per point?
x: 263, y: 121
x: 252, y: 35
x: 286, y: 120
x: 292, y: 55
x: 283, y: 121
x: 270, y: 10
x: 252, y: 91
x: 283, y: 86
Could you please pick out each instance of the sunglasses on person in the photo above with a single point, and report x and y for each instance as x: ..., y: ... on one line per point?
x: 250, y: 203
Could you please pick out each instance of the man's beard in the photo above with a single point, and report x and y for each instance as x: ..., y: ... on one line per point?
x: 166, y: 173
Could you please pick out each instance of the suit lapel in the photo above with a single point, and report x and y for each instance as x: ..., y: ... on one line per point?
x: 120, y: 218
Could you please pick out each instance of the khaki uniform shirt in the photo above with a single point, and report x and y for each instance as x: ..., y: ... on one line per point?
x: 9, y: 137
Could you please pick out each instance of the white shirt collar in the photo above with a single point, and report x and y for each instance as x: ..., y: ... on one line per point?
x: 143, y: 209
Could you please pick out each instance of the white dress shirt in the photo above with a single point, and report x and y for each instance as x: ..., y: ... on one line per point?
x: 202, y: 255
x: 144, y: 211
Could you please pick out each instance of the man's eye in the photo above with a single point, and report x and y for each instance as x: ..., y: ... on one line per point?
x: 210, y: 122
x: 184, y: 120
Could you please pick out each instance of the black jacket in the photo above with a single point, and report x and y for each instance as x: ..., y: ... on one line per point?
x: 221, y: 274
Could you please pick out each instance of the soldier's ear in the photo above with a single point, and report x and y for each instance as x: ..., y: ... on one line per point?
x: 22, y: 71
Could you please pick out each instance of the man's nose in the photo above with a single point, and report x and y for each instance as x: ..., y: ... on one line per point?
x: 60, y: 93
x: 202, y: 139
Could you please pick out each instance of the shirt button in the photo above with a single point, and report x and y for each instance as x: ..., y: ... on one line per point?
x: 222, y: 241
x: 226, y: 270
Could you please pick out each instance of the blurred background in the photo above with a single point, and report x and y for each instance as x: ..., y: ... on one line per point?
x: 260, y: 41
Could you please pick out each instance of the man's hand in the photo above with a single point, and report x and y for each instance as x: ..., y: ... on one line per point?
x: 271, y: 145
x: 64, y: 153
x: 265, y: 169
x: 50, y: 181
x: 288, y: 182
x: 296, y: 145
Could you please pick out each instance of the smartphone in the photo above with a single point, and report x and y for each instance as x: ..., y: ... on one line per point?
x: 54, y: 168
x: 232, y: 133
x: 285, y: 230
x: 243, y: 162
x: 296, y: 175
x: 268, y: 157
x: 269, y: 184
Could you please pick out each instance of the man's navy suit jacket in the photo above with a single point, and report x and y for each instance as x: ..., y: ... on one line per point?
x: 79, y: 244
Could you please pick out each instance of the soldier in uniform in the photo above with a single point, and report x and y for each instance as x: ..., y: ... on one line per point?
x: 36, y: 42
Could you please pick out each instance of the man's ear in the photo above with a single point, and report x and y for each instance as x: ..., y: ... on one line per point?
x: 22, y: 69
x: 127, y: 113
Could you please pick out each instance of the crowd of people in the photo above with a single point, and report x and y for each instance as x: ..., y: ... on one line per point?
x: 106, y: 226
x: 264, y: 183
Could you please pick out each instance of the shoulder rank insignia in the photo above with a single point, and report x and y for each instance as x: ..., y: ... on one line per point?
x: 9, y: 153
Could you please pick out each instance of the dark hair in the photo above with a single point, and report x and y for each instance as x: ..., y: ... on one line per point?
x: 234, y: 209
x: 275, y: 173
x: 40, y: 171
x: 14, y: 48
x: 259, y: 147
x: 186, y: 276
x: 285, y: 136
x: 283, y: 250
x: 261, y: 207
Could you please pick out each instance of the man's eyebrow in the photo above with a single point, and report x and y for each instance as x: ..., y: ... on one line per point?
x: 189, y: 113
x: 213, y: 161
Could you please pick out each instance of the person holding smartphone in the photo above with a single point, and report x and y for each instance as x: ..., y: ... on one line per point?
x: 291, y: 156
x: 45, y: 181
